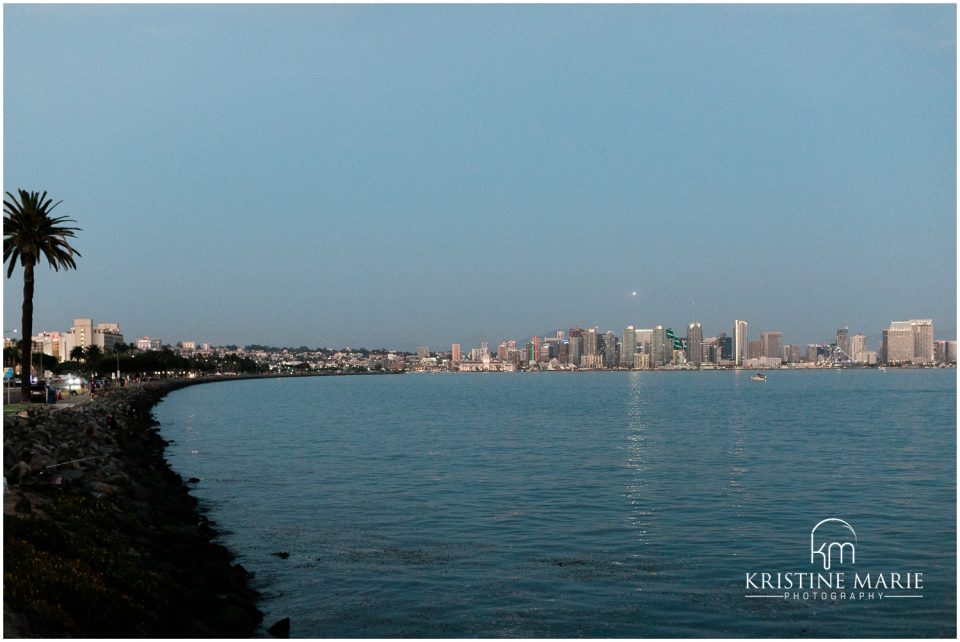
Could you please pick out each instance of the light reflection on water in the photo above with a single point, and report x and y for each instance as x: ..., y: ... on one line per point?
x: 587, y: 504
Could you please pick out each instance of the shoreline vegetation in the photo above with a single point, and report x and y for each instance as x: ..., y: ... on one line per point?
x: 102, y: 538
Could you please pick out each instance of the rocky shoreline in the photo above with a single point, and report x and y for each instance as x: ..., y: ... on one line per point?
x: 102, y: 539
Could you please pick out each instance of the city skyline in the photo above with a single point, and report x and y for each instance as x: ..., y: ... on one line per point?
x: 767, y: 342
x: 401, y: 175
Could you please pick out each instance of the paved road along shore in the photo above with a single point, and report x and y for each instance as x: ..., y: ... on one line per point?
x: 101, y: 537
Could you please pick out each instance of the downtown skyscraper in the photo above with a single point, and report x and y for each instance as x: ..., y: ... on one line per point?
x: 695, y: 344
x: 739, y: 341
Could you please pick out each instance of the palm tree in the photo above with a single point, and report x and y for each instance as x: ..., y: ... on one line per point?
x: 92, y: 357
x: 29, y: 235
x: 77, y: 353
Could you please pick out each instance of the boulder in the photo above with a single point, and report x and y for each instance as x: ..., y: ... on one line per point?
x: 280, y: 629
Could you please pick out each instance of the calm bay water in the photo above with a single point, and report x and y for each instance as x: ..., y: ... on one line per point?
x: 576, y: 504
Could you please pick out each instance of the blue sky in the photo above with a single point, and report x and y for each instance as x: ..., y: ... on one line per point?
x: 402, y: 175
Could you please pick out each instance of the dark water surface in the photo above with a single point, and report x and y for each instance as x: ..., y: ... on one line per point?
x: 578, y: 504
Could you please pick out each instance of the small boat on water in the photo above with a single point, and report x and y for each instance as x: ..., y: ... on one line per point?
x: 758, y: 377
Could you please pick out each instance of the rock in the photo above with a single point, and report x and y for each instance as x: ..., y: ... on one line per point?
x: 193, y: 480
x: 100, y: 487
x: 23, y: 506
x: 71, y: 474
x: 282, y: 554
x: 21, y: 470
x: 231, y: 622
x: 159, y: 530
x: 280, y: 629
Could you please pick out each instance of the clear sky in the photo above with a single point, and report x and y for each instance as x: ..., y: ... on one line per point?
x: 390, y: 176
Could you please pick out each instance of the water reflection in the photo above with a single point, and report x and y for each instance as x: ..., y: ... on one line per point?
x: 640, y: 510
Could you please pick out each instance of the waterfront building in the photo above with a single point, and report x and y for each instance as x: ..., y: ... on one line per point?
x: 502, y: 351
x: 791, y: 353
x: 771, y: 345
x: 644, y: 339
x: 576, y: 349
x: 922, y: 340
x: 628, y: 346
x: 660, y: 352
x: 695, y: 344
x: 609, y: 349
x: 858, y: 346
x: 534, y: 353
x: 754, y: 349
x: 725, y: 344
x: 739, y: 341
x: 898, y: 343
x: 455, y: 353
x: 945, y: 352
x: 843, y: 343
x: 576, y: 345
x: 590, y: 342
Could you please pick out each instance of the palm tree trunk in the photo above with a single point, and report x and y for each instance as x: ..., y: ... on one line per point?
x: 26, y: 343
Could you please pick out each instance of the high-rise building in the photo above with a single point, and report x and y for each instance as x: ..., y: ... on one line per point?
x: 739, y: 341
x: 725, y: 344
x: 502, y: 351
x: 754, y: 349
x: 695, y: 344
x: 843, y: 343
x: 83, y: 334
x: 644, y: 339
x: 610, y: 349
x: 922, y: 340
x: 898, y: 343
x: 858, y: 348
x: 940, y: 351
x: 48, y: 343
x: 576, y: 345
x: 772, y: 345
x: 791, y: 353
x: 628, y: 346
x: 455, y: 353
x: 951, y: 352
x: 535, y: 349
x: 590, y: 342
x: 661, y: 348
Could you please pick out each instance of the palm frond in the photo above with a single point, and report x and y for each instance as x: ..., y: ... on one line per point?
x: 31, y: 234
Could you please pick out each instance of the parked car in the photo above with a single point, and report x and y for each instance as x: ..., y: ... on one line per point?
x: 42, y: 393
x: 70, y: 384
